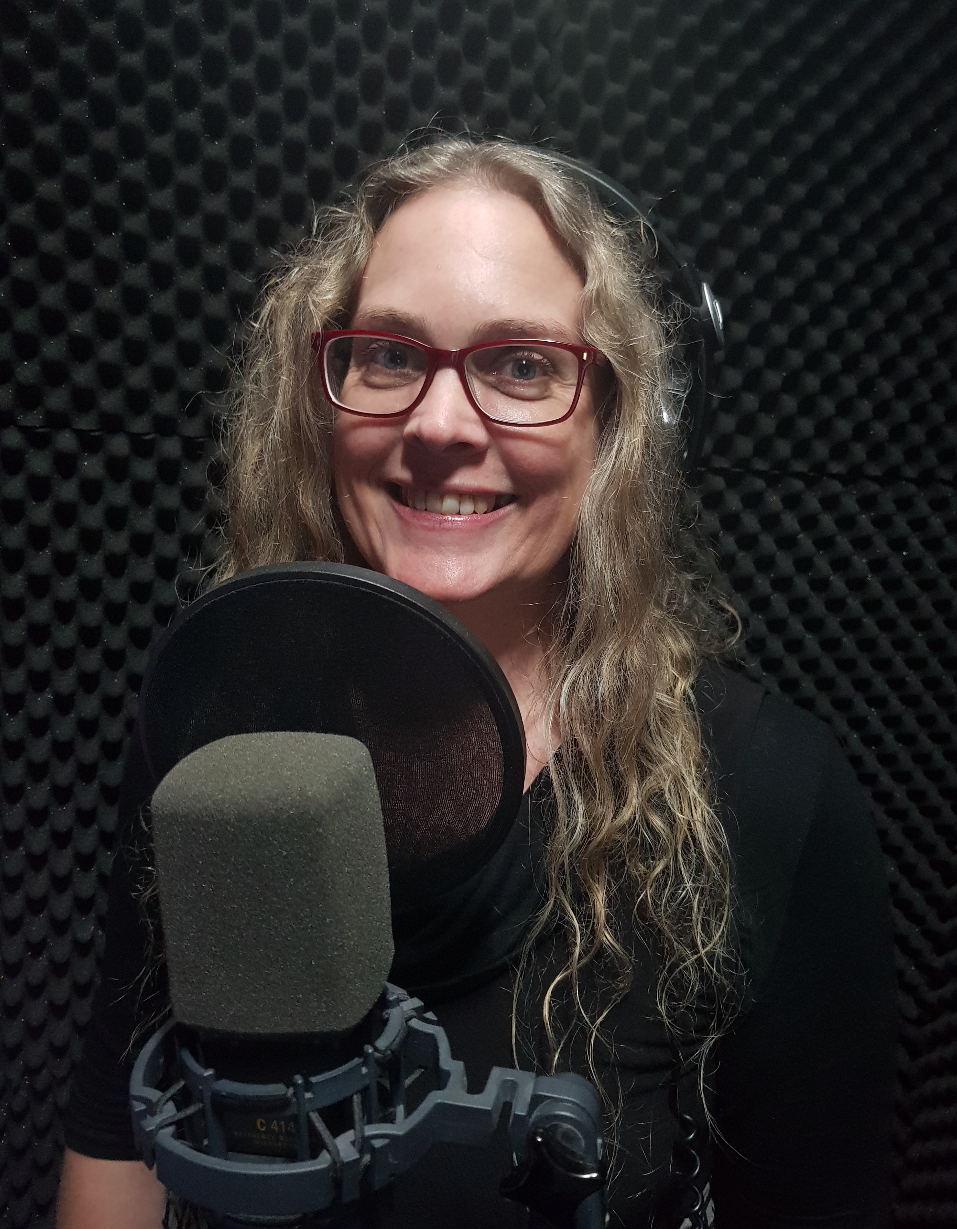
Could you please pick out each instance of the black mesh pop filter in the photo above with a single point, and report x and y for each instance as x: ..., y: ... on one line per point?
x: 336, y: 649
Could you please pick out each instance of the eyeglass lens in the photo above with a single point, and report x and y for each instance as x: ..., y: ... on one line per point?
x: 512, y: 382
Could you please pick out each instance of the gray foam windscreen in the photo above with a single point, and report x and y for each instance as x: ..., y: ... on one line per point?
x: 273, y: 884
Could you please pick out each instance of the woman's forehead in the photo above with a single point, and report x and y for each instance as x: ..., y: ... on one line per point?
x: 474, y: 250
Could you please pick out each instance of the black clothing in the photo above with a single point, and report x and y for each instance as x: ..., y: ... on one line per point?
x: 801, y: 1084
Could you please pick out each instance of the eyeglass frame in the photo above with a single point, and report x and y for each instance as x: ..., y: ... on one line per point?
x: 588, y: 356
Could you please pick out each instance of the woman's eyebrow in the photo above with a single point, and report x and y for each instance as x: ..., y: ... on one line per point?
x: 417, y: 327
x: 391, y: 321
x: 545, y: 330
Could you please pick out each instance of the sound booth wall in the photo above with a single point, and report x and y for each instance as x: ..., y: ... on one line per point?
x: 155, y: 157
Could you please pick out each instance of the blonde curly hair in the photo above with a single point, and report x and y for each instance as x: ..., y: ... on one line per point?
x: 633, y: 824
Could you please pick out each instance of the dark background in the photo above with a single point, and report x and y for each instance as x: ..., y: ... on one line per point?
x: 156, y: 154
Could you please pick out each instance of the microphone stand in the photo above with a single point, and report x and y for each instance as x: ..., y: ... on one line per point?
x: 187, y: 1128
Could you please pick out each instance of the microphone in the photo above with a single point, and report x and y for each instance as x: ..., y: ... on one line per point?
x: 273, y: 885
x: 286, y: 1088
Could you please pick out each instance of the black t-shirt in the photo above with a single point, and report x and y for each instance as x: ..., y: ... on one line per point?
x: 799, y: 1087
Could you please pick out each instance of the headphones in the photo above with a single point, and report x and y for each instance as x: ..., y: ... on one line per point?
x: 698, y: 312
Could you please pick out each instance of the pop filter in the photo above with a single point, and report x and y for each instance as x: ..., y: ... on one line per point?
x: 335, y: 649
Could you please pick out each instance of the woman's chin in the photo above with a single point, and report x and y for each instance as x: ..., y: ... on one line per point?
x: 448, y: 590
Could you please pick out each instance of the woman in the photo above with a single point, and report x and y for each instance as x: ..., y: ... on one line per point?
x: 713, y: 943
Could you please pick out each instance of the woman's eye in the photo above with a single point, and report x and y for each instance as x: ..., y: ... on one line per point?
x: 520, y: 367
x: 380, y: 363
x: 523, y: 367
x: 392, y: 358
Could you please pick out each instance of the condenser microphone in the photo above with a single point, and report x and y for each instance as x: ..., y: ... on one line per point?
x: 312, y: 790
x: 273, y: 885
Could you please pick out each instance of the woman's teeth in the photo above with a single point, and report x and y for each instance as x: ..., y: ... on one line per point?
x: 452, y: 505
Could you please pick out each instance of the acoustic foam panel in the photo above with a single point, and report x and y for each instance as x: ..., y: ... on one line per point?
x: 155, y: 155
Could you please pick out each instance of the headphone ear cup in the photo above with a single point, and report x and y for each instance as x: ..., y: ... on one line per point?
x: 689, y: 300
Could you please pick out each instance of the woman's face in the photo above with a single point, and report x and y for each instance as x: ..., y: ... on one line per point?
x: 453, y: 267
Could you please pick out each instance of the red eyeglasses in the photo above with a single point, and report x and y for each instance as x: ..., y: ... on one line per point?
x: 513, y: 382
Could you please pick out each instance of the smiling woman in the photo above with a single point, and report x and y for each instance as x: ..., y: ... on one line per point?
x: 461, y: 382
x: 455, y: 268
x: 452, y: 264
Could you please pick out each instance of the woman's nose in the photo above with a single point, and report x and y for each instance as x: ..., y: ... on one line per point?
x: 445, y: 417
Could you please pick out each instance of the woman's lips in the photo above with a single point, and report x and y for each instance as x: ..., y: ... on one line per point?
x: 449, y: 503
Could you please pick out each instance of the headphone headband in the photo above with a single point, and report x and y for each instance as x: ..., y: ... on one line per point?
x: 701, y: 322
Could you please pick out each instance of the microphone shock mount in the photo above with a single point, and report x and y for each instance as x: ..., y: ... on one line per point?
x: 266, y: 1155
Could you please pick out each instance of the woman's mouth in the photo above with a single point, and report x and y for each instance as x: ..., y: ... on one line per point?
x: 447, y: 503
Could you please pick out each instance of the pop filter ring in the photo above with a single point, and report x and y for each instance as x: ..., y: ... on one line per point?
x: 346, y: 578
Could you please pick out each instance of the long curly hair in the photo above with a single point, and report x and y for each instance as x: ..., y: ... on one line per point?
x: 634, y: 825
